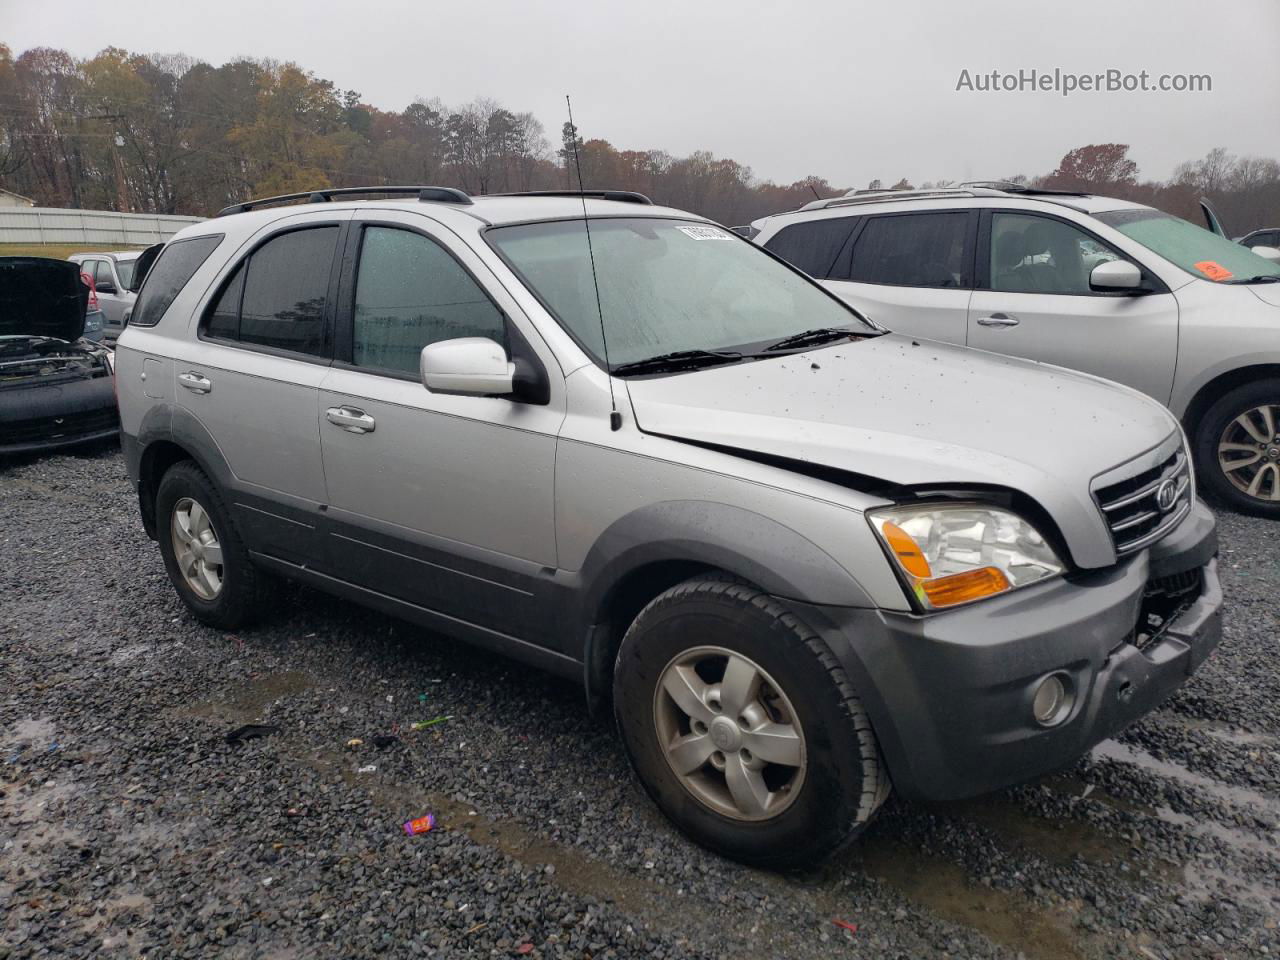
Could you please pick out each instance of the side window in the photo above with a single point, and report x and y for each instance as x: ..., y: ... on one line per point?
x: 276, y: 298
x: 812, y: 246
x: 176, y: 264
x: 1031, y: 254
x: 224, y: 319
x: 410, y: 292
x: 913, y: 250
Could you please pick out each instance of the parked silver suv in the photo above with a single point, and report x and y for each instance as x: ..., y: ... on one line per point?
x: 804, y: 558
x: 1101, y: 285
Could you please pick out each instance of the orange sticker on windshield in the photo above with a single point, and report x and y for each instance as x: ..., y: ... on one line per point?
x: 1214, y: 271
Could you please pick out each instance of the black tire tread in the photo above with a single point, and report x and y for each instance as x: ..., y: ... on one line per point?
x: 243, y: 605
x: 875, y: 778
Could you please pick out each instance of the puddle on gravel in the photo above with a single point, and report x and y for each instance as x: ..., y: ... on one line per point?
x: 247, y: 701
x: 1225, y: 792
x: 573, y: 870
x: 1040, y: 933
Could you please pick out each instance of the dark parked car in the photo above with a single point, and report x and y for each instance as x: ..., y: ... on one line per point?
x: 56, y: 387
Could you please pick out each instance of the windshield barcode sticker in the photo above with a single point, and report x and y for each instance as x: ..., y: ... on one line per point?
x: 703, y: 233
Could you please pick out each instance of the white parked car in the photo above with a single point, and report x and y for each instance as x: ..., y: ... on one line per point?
x: 1105, y: 286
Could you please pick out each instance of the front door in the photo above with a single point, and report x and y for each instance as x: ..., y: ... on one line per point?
x: 445, y: 502
x: 1035, y: 301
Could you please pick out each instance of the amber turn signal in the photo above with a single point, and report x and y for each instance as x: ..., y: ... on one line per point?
x: 906, y: 550
x: 963, y: 587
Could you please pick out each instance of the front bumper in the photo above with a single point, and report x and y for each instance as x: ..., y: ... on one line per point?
x: 48, y: 417
x: 949, y: 694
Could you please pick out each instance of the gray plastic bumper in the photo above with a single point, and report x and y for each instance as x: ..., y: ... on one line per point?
x: 950, y: 694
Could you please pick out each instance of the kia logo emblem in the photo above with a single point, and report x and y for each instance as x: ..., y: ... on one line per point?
x: 1167, y: 495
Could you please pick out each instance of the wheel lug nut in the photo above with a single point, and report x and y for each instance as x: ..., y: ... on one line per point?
x: 742, y: 722
x: 714, y: 705
x: 745, y: 754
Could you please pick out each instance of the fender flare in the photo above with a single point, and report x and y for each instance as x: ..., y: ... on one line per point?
x: 699, y: 534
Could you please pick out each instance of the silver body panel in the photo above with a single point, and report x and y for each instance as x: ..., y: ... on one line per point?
x: 543, y: 487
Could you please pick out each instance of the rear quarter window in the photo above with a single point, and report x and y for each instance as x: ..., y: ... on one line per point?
x: 812, y: 246
x: 176, y: 264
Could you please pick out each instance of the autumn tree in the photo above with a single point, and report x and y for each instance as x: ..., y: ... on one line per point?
x: 1098, y: 167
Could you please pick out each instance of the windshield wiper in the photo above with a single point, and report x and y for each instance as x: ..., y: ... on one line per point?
x: 812, y: 338
x: 679, y: 360
x: 1260, y: 278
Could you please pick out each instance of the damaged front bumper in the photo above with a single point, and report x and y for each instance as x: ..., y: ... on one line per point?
x: 950, y: 695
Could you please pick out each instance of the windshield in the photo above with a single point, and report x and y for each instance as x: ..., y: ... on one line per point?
x: 124, y: 270
x: 1194, y: 249
x: 665, y: 286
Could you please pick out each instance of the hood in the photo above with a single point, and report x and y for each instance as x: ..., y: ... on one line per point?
x: 920, y: 413
x: 40, y: 297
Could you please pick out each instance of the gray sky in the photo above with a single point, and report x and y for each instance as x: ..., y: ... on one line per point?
x: 844, y: 89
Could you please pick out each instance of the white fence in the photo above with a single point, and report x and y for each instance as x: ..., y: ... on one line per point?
x: 98, y: 227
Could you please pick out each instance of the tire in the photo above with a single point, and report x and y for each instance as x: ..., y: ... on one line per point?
x: 236, y: 600
x: 812, y: 811
x: 1222, y: 423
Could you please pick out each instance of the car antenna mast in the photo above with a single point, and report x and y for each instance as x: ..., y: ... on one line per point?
x: 615, y: 418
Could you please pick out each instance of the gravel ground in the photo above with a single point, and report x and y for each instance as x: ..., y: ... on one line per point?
x: 130, y: 827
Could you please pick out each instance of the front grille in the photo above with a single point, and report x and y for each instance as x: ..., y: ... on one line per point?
x: 1132, y: 508
x: 65, y: 427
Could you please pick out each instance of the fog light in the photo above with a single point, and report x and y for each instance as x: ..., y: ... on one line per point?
x: 1052, y: 701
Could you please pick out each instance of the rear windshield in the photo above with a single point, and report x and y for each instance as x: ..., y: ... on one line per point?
x: 176, y: 264
x: 1194, y: 249
x: 665, y: 286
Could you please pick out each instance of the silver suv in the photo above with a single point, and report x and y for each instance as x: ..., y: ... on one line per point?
x: 1105, y: 286
x: 803, y: 557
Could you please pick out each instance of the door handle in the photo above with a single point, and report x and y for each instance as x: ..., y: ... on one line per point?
x: 998, y: 320
x: 350, y: 419
x: 195, y: 382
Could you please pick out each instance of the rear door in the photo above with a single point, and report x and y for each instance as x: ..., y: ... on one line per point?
x: 251, y: 376
x: 1035, y: 301
x: 911, y: 272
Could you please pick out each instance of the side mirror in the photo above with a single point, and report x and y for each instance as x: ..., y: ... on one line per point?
x: 1268, y: 253
x: 106, y: 286
x: 470, y: 365
x: 1115, y: 275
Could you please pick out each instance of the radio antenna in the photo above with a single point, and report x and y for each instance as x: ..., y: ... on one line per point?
x: 615, y: 418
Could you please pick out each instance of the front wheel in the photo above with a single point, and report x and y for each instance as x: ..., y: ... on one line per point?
x: 744, y: 728
x: 1237, y: 447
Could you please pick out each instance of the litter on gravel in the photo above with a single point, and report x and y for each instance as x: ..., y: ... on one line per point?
x: 251, y: 731
x: 420, y: 825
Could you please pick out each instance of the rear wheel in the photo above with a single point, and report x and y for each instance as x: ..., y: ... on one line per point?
x: 207, y: 562
x: 743, y: 727
x: 1238, y: 449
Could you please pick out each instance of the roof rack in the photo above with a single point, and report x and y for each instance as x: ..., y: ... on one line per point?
x: 1009, y: 186
x: 622, y: 196
x: 424, y: 194
x: 883, y: 196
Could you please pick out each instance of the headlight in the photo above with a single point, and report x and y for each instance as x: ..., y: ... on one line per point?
x: 955, y: 553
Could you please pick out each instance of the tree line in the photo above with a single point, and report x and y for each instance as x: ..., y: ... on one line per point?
x: 171, y: 134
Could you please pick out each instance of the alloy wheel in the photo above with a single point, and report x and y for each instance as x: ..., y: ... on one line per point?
x: 729, y: 733
x: 196, y: 548
x: 1249, y: 452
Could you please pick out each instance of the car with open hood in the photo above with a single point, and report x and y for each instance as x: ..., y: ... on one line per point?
x: 805, y: 559
x: 1110, y: 287
x: 57, y: 388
